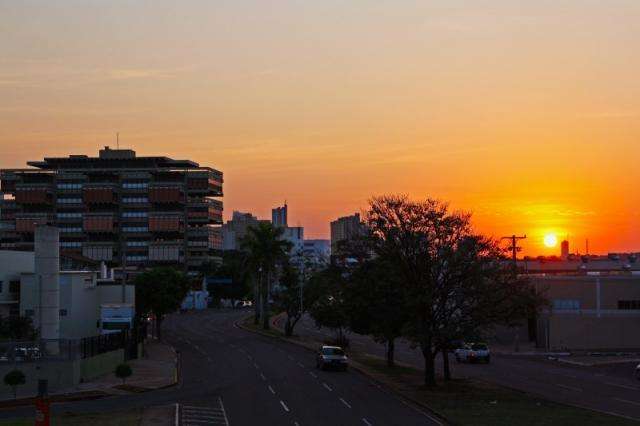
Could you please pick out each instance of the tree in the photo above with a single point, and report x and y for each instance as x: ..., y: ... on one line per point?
x: 160, y: 291
x: 123, y: 371
x: 450, y: 275
x: 329, y: 309
x: 266, y: 250
x: 375, y: 301
x: 15, y: 378
x: 294, y: 296
x: 234, y: 266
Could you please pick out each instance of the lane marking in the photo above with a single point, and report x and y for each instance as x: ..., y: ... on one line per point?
x: 314, y: 375
x: 271, y: 389
x: 301, y: 364
x: 622, y: 386
x: 290, y: 357
x: 326, y: 386
x: 366, y: 422
x: 345, y: 403
x: 256, y: 366
x: 571, y: 388
x: 284, y: 406
x: 627, y: 401
x: 262, y: 377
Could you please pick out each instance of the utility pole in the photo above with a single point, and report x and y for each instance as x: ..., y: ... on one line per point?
x: 514, y: 245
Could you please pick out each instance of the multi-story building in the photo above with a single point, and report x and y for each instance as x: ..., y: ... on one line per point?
x: 128, y: 211
x: 279, y: 216
x: 236, y: 229
x: 344, y: 228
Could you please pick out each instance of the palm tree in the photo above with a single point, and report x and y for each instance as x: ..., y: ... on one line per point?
x: 266, y: 250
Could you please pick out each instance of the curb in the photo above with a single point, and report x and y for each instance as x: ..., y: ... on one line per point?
x: 54, y: 399
x: 431, y: 414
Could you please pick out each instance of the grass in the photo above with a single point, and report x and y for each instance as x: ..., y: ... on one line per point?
x: 123, y: 418
x: 248, y: 323
x: 466, y: 402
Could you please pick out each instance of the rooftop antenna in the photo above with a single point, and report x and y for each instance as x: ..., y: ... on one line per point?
x: 118, y: 140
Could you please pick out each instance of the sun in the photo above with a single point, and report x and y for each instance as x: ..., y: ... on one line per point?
x: 550, y: 240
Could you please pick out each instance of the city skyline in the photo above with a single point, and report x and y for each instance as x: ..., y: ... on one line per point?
x: 524, y: 114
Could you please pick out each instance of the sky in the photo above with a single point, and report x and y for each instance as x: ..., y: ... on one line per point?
x: 525, y: 113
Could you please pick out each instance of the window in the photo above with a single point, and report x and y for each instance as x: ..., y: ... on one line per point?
x: 14, y: 286
x: 70, y: 229
x: 69, y: 200
x: 137, y: 258
x: 0, y: 286
x: 69, y: 186
x: 70, y: 244
x: 566, y: 305
x: 135, y: 185
x: 137, y: 243
x: 134, y: 200
x: 134, y: 214
x: 63, y: 312
x: 69, y: 215
x: 135, y: 229
x: 629, y: 304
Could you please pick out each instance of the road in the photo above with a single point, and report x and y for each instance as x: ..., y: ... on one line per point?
x: 234, y: 377
x: 606, y: 389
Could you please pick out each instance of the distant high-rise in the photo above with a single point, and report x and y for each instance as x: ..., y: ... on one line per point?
x: 236, y: 229
x: 564, y: 249
x: 279, y: 216
x: 344, y: 228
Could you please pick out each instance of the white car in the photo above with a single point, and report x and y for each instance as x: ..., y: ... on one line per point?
x: 332, y: 357
x: 473, y: 352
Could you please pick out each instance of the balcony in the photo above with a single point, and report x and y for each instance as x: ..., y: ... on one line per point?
x: 36, y: 194
x: 204, y: 183
x: 166, y: 194
x: 165, y: 223
x: 98, y: 223
x: 99, y: 194
x: 27, y: 222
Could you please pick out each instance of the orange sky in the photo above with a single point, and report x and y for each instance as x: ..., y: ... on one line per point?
x: 526, y: 113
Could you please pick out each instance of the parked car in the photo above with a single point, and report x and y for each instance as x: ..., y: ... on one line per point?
x: 473, y: 352
x: 637, y: 372
x: 332, y: 357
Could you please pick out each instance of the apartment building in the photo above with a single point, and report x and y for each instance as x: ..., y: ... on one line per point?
x: 128, y: 211
x: 344, y: 228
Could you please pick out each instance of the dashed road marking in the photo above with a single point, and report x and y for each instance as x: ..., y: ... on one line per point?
x: 622, y: 386
x: 627, y: 401
x: 300, y: 365
x: 262, y: 377
x: 314, y: 375
x: 366, y: 422
x: 284, y: 406
x: 271, y: 390
x: 345, y: 403
x: 571, y: 388
x: 327, y: 387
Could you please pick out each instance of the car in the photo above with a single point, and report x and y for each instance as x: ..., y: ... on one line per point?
x: 332, y: 357
x: 637, y: 372
x: 473, y: 352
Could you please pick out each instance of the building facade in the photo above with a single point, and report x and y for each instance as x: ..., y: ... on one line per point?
x: 344, y: 228
x: 236, y: 229
x: 595, y: 311
x: 128, y: 211
x: 279, y: 216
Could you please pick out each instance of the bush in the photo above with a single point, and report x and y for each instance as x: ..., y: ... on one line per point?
x: 123, y: 371
x: 14, y: 378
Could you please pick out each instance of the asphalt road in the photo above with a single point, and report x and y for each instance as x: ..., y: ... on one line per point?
x: 234, y: 377
x: 607, y: 389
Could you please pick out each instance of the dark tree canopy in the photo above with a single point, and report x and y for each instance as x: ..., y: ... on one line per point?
x: 160, y: 291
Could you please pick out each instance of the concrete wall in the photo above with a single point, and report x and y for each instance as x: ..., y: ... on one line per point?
x: 598, y: 323
x: 62, y: 375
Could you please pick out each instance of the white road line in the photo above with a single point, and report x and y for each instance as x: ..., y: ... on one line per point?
x: 197, y: 347
x: 262, y: 377
x: 226, y: 419
x: 314, y: 375
x: 300, y: 365
x: 622, y: 386
x: 284, y: 406
x: 366, y: 422
x: 271, y: 390
x: 256, y: 366
x: 345, y: 403
x: 296, y: 424
x: 326, y: 386
x: 290, y: 357
x: 569, y: 388
x: 627, y: 401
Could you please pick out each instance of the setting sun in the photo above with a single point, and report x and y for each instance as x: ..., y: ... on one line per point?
x: 550, y: 240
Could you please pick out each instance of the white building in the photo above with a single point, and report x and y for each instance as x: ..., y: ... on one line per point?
x: 12, y: 264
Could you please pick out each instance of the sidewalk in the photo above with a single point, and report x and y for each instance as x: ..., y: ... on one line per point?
x: 155, y: 370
